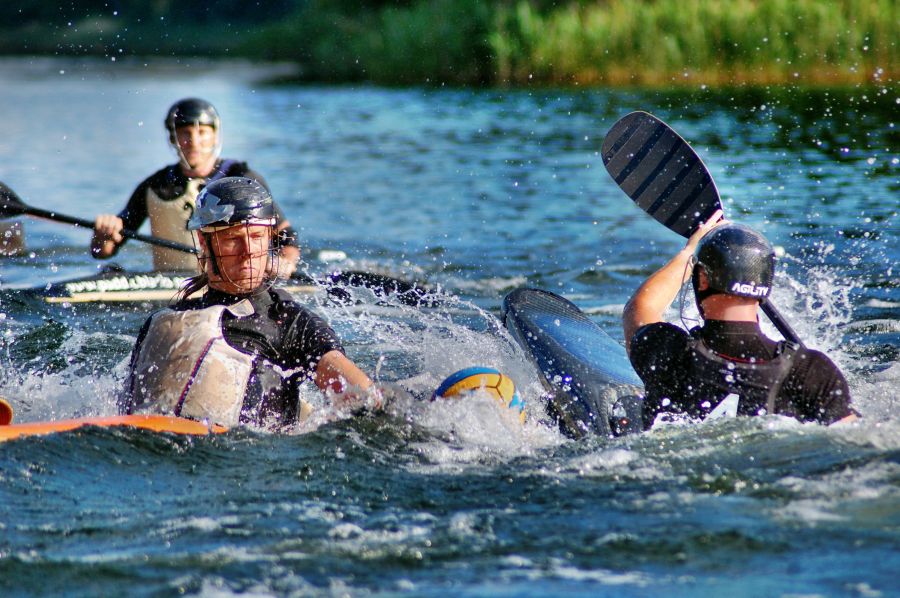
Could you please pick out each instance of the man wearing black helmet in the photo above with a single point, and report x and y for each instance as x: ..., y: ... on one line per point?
x: 167, y: 197
x: 727, y: 366
x: 238, y: 353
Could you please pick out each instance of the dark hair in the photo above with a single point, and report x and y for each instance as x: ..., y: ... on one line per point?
x: 192, y: 285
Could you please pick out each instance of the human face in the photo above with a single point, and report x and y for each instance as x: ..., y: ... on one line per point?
x: 241, y: 255
x: 197, y: 146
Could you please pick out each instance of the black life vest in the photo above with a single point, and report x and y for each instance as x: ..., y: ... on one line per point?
x: 756, y: 383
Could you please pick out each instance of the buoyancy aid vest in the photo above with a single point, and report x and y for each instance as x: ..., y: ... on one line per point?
x: 756, y: 383
x: 186, y: 368
x: 753, y: 385
x: 169, y: 217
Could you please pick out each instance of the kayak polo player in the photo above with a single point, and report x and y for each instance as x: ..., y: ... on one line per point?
x: 168, y: 197
x: 238, y: 353
x: 726, y: 366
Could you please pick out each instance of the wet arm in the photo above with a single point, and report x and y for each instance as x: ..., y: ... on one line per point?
x: 337, y: 373
x: 352, y: 388
x: 655, y: 295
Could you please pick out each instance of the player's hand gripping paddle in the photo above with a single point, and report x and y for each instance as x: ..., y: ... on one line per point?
x: 666, y: 178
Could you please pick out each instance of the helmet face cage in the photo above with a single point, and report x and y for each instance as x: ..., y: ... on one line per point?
x: 242, y: 256
x: 192, y: 112
x: 236, y: 217
x: 737, y: 261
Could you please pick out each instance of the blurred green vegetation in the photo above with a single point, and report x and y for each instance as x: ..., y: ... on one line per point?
x: 665, y: 41
x: 133, y: 27
x: 503, y: 42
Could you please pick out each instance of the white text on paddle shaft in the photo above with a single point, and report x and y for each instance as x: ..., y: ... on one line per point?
x: 122, y: 283
x: 748, y: 288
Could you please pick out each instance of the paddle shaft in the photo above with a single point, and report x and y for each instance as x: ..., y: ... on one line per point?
x: 409, y: 293
x: 780, y: 323
x: 49, y: 215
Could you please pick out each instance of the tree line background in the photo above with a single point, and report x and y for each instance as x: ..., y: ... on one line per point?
x: 481, y: 42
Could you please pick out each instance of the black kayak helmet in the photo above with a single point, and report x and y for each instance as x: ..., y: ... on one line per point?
x: 737, y: 260
x: 233, y: 200
x: 191, y: 111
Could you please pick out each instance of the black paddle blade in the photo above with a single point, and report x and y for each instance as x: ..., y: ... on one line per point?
x: 659, y: 171
x: 10, y: 204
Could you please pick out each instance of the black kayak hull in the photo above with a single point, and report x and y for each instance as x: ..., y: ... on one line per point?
x: 592, y: 388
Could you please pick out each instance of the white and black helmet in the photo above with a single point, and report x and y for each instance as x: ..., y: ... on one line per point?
x: 232, y: 200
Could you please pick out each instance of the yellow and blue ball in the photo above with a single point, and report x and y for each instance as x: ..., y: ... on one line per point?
x: 489, y: 380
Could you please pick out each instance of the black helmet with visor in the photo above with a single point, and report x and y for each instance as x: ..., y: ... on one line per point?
x: 191, y: 111
x: 229, y: 202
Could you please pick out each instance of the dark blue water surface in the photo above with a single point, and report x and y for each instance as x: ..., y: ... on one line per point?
x: 476, y: 193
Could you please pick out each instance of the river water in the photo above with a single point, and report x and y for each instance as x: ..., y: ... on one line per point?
x: 474, y: 192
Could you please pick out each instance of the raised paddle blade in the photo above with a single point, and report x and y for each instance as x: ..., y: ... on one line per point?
x: 660, y: 172
x: 666, y: 178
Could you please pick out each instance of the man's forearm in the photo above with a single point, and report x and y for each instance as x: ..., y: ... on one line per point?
x: 655, y: 295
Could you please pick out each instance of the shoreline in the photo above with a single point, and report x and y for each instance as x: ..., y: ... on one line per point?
x: 278, y: 72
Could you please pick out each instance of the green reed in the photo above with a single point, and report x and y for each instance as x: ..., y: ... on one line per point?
x: 665, y: 41
x: 590, y: 42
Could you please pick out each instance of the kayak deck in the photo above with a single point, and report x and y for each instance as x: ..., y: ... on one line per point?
x: 117, y: 285
x: 114, y: 284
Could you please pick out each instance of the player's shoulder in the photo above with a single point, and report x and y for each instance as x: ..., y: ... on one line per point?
x: 660, y: 333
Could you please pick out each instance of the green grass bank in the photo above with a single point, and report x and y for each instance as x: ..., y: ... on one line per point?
x: 502, y: 42
x: 600, y: 42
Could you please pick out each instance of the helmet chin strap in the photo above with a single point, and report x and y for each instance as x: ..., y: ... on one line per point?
x: 692, y: 263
